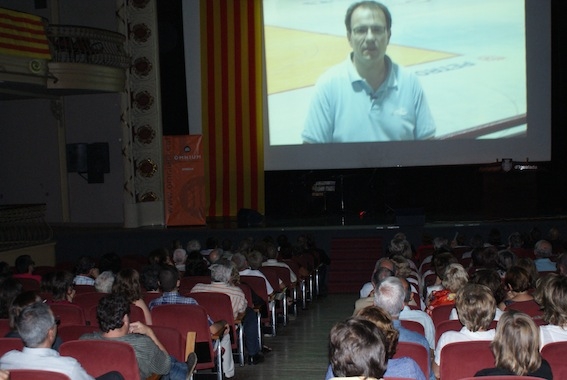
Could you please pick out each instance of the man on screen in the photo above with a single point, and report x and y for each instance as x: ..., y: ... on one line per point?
x: 368, y: 97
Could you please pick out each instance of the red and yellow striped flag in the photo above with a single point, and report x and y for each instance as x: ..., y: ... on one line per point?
x: 231, y: 64
x: 23, y: 35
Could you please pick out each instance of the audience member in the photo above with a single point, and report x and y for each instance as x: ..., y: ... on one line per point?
x: 517, y: 284
x: 85, y: 271
x: 254, y: 260
x: 221, y: 274
x: 440, y: 263
x: 113, y: 315
x: 516, y: 348
x: 110, y: 261
x: 104, y: 282
x: 160, y: 256
x: 505, y: 260
x: 454, y: 278
x: 401, y: 367
x: 389, y: 296
x: 357, y: 350
x: 169, y: 284
x: 24, y: 267
x: 196, y: 265
x: 381, y: 263
x: 543, y: 250
x: 476, y: 308
x: 22, y: 300
x: 9, y: 289
x: 179, y: 259
x: 490, y: 279
x: 417, y: 316
x: 562, y: 264
x: 127, y: 283
x: 149, y: 278
x: 377, y: 277
x: 551, y: 294
x: 62, y: 288
x: 272, y: 261
x: 529, y: 265
x: 37, y: 328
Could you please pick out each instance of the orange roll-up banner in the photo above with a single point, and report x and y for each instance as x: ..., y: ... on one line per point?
x: 184, y: 175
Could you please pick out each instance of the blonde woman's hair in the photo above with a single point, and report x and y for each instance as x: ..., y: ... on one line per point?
x: 476, y: 306
x: 455, y: 277
x: 551, y: 294
x: 516, y: 343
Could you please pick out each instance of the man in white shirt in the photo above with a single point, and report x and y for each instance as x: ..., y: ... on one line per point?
x: 38, y: 330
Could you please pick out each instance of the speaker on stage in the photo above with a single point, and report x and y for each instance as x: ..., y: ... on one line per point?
x: 249, y: 218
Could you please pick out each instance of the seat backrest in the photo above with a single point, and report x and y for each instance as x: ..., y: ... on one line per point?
x: 247, y: 293
x: 413, y: 326
x: 500, y: 377
x: 36, y: 374
x: 86, y: 300
x: 257, y: 284
x: 9, y: 344
x: 554, y: 353
x: 68, y: 314
x: 531, y: 308
x: 293, y: 266
x: 194, y: 319
x: 150, y: 296
x: 98, y: 357
x: 171, y: 340
x: 219, y: 307
x: 441, y: 313
x: 284, y: 274
x: 4, y: 326
x: 28, y: 284
x: 417, y: 352
x: 462, y: 359
x: 79, y: 289
x: 272, y: 277
x: 74, y: 332
x: 187, y: 283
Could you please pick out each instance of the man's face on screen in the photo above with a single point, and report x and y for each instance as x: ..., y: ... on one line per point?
x: 369, y: 35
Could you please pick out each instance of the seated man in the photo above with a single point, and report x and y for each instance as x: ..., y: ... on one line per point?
x: 114, y: 321
x: 169, y: 283
x: 390, y: 296
x: 85, y: 271
x: 37, y: 328
x: 476, y: 308
x: 221, y: 274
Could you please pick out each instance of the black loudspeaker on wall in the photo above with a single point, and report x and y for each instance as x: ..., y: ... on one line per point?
x: 92, y: 159
x: 249, y: 218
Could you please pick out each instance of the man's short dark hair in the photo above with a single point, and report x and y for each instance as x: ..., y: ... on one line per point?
x: 111, y: 311
x: 149, y: 277
x: 84, y: 265
x: 371, y: 5
x: 23, y: 263
x: 168, y: 277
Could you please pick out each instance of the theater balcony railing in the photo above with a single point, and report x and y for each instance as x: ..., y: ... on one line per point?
x: 82, y: 60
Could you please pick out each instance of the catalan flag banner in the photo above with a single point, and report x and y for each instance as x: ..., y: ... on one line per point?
x: 23, y: 35
x: 184, y: 185
x: 231, y: 66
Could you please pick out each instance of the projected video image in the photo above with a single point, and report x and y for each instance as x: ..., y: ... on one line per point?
x: 455, y: 70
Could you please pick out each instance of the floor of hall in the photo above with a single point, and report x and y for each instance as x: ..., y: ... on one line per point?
x: 300, y: 348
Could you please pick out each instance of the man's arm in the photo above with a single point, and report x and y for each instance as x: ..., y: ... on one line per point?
x: 140, y: 328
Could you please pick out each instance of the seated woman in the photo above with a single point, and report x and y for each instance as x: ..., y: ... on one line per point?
x: 551, y: 294
x: 517, y: 284
x: 356, y: 350
x: 516, y: 348
x: 454, y: 278
x: 127, y: 283
x: 400, y: 367
x: 491, y: 279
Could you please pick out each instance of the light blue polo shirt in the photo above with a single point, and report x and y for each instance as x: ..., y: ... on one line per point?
x: 345, y: 109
